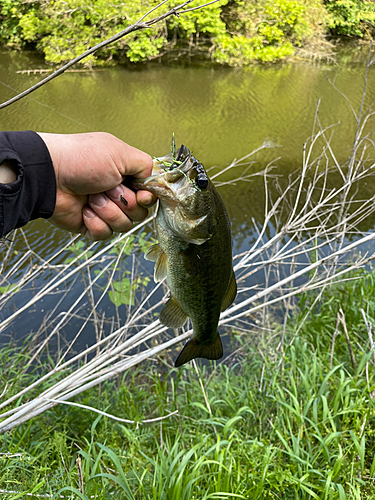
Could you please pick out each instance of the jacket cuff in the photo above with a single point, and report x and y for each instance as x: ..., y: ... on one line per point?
x: 33, y: 194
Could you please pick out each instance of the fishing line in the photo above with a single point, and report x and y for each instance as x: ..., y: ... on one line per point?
x: 47, y: 106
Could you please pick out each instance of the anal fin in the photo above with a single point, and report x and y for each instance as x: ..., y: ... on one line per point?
x: 231, y: 294
x: 194, y: 349
x: 172, y: 315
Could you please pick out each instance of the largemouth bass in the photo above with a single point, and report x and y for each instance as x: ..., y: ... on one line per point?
x: 194, y: 251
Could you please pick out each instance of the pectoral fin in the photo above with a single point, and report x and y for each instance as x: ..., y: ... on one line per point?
x: 156, y: 254
x: 153, y: 252
x: 230, y: 295
x: 172, y: 315
x: 160, y: 270
x: 194, y: 349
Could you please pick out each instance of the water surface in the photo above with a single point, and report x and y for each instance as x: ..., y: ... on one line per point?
x: 219, y: 113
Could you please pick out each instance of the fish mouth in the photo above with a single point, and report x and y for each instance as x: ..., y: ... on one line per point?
x: 164, y: 169
x: 156, y: 184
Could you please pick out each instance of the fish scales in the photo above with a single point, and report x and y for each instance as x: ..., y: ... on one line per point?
x: 199, y: 276
x: 194, y: 251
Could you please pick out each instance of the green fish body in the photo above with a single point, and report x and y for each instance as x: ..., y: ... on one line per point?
x: 194, y: 252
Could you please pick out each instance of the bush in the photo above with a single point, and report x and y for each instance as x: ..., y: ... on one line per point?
x: 351, y: 17
x: 10, y: 14
x: 263, y: 31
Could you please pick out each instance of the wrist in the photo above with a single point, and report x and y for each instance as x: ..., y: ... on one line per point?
x: 7, y: 173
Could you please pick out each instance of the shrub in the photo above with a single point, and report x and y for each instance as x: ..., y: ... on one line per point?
x: 351, y: 17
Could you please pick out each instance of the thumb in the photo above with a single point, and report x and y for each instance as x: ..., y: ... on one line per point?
x: 135, y: 162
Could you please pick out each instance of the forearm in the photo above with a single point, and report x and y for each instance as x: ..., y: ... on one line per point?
x: 27, y: 180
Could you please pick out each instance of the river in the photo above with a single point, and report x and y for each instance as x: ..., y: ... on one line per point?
x: 219, y: 113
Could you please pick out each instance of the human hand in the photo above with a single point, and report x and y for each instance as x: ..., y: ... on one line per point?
x: 89, y: 169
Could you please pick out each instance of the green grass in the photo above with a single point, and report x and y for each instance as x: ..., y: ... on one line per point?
x: 297, y: 426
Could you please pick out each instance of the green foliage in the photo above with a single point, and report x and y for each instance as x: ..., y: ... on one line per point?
x: 270, y: 32
x: 351, y: 17
x: 9, y: 288
x: 231, y: 32
x: 235, y: 32
x: 65, y: 29
x: 124, y: 290
x: 79, y: 250
x: 124, y: 287
x: 133, y: 243
x: 10, y: 14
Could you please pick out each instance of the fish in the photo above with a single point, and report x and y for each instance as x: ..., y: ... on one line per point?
x: 194, y: 251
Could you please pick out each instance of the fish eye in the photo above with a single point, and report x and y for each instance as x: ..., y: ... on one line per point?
x: 201, y: 181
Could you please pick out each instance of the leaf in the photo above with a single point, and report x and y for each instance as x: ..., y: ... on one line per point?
x: 9, y: 288
x: 119, y: 298
x: 72, y: 490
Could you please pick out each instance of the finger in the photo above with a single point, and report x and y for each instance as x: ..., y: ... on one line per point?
x: 146, y: 199
x: 95, y: 228
x: 110, y: 213
x: 126, y: 200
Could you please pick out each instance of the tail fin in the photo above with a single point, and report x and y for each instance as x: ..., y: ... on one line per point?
x: 194, y: 349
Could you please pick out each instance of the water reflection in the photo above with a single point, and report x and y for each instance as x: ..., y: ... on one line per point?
x: 220, y: 113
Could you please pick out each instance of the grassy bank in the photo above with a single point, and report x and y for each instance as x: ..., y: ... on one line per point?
x: 290, y: 415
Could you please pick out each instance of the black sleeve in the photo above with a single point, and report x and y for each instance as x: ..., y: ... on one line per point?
x: 33, y: 193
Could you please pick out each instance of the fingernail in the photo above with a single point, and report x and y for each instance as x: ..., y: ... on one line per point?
x: 147, y: 201
x: 87, y: 212
x: 98, y: 199
x: 116, y: 192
